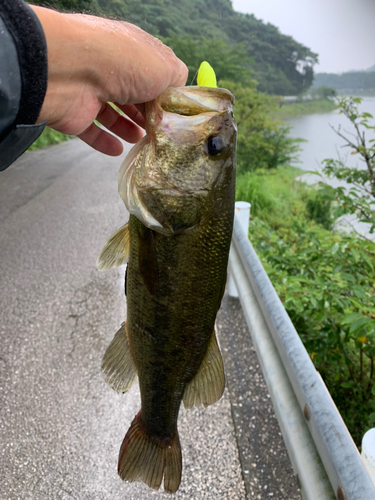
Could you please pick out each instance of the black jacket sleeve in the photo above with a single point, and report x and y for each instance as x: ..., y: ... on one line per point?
x: 23, y: 78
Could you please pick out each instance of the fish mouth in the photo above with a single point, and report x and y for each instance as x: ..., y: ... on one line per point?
x: 183, y: 102
x: 194, y: 100
x: 186, y: 113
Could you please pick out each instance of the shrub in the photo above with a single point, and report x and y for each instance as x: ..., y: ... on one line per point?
x: 326, y: 283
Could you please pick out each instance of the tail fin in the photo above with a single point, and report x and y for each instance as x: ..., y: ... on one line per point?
x: 148, y: 459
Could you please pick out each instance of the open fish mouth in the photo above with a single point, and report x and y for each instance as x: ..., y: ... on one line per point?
x: 195, y: 100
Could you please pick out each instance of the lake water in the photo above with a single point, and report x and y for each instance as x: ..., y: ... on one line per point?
x: 322, y: 142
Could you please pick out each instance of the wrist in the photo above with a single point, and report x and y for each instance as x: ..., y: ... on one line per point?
x: 72, y: 61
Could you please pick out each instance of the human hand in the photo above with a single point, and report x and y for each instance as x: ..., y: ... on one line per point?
x: 94, y: 61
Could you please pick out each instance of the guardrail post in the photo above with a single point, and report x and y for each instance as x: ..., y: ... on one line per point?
x: 242, y: 212
x: 368, y: 452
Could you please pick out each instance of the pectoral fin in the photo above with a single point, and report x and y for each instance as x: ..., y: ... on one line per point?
x: 118, y: 366
x: 116, y: 250
x: 207, y: 386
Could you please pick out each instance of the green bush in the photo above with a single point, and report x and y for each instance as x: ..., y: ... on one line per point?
x: 250, y: 187
x: 230, y: 62
x: 326, y: 283
x: 322, y: 92
x: 287, y: 111
x: 48, y: 137
x: 319, y: 210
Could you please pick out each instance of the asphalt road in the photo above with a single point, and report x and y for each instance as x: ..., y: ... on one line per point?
x: 61, y: 426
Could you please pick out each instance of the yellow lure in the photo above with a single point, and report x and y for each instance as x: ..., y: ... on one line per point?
x: 206, y: 75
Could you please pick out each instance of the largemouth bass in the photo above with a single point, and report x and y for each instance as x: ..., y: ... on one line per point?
x: 178, y: 183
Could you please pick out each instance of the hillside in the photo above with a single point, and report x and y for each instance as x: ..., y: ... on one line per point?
x: 277, y: 62
x: 353, y: 82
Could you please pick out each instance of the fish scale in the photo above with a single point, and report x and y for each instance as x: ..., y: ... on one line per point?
x: 168, y: 313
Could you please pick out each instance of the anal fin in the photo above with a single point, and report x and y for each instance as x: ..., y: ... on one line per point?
x: 116, y: 250
x: 118, y: 366
x: 207, y: 386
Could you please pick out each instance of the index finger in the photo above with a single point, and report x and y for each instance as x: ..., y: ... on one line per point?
x: 181, y: 73
x: 133, y: 113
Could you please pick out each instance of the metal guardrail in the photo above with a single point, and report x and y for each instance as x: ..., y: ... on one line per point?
x: 321, y: 450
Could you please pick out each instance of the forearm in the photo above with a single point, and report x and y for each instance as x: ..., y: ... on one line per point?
x: 23, y: 78
x: 70, y: 62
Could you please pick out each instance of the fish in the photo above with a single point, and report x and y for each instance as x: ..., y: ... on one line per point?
x: 178, y: 185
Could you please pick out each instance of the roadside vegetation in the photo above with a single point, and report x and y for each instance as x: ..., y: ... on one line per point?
x: 325, y: 278
x: 47, y: 138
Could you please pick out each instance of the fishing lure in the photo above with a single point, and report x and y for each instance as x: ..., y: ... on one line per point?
x: 206, y: 75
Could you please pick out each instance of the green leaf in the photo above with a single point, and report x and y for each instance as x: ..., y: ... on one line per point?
x: 350, y: 318
x: 334, y: 248
x: 371, y: 419
x: 348, y: 385
x: 359, y: 324
x: 348, y: 277
x: 355, y: 254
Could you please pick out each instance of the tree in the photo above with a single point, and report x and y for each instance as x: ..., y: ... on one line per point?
x: 230, y: 62
x: 280, y: 64
x: 69, y: 5
x: 323, y: 92
x: 262, y: 142
x: 347, y: 83
x: 358, y: 198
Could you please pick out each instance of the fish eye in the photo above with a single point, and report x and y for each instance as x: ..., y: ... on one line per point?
x: 215, y: 144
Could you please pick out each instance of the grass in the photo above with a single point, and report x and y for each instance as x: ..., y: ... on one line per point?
x: 275, y: 195
x: 48, y: 137
x: 294, y: 109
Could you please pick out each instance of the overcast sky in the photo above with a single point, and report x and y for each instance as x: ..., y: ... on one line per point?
x: 342, y: 32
